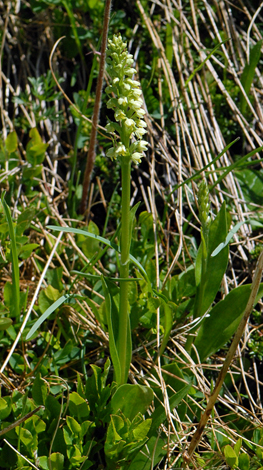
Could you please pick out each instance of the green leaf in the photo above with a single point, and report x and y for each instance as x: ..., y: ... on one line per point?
x: 43, y: 462
x: 237, y: 446
x: 11, y: 142
x: 131, y: 219
x: 5, y: 407
x: 54, y: 277
x: 228, y: 238
x: 213, y: 269
x: 57, y: 461
x: 141, y: 431
x: 251, y: 182
x: 78, y: 406
x: 5, y: 323
x: 131, y: 399
x: 68, y: 353
x: 159, y: 415
x: 204, y: 61
x: 25, y: 436
x: 112, y: 339
x: 223, y: 321
x: 90, y: 246
x: 35, y: 149
x: 15, y: 310
x: 68, y: 436
x: 47, y: 313
x: 230, y: 456
x: 169, y: 310
x: 30, y: 173
x: 17, y: 363
x: 47, y: 297
x: 26, y: 250
x: 39, y: 390
x: 244, y: 462
x: 73, y: 425
x: 150, y: 456
x: 26, y: 216
x: 101, y: 239
x: 169, y: 43
x: 249, y: 72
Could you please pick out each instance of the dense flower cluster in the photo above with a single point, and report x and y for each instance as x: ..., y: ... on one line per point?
x: 126, y: 102
x: 204, y: 203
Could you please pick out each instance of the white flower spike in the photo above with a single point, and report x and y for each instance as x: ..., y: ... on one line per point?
x: 126, y: 104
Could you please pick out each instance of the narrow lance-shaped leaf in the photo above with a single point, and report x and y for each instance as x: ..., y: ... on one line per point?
x: 228, y: 238
x: 112, y: 341
x: 14, y: 255
x: 46, y: 314
x: 101, y: 239
x: 249, y: 72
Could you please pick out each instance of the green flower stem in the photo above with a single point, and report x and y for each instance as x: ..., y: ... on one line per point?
x: 124, y: 327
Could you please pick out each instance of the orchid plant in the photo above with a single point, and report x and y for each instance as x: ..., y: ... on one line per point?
x: 128, y: 146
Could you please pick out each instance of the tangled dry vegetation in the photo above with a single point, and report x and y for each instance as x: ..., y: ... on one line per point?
x: 197, y: 102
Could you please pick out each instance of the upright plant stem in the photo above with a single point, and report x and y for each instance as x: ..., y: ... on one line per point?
x: 124, y: 326
x: 95, y: 119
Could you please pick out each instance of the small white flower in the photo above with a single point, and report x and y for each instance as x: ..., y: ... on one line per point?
x: 142, y: 145
x: 136, y: 92
x: 141, y: 123
x: 122, y: 100
x: 136, y: 157
x: 130, y: 71
x: 119, y: 115
x: 121, y: 150
x: 135, y: 104
x: 133, y: 83
x: 140, y: 112
x: 139, y: 132
x: 130, y: 123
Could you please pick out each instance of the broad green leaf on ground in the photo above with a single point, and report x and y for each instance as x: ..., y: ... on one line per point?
x: 223, y: 321
x: 132, y: 399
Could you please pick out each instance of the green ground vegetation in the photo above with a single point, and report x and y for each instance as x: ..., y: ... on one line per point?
x: 80, y: 388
